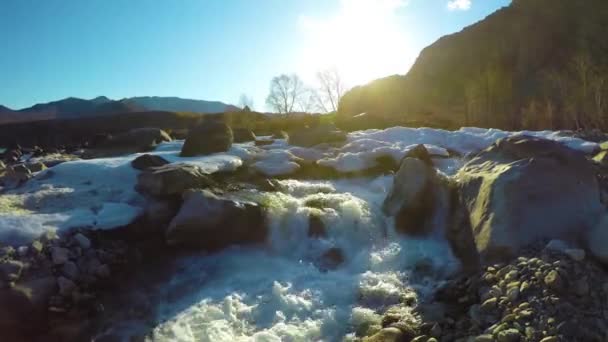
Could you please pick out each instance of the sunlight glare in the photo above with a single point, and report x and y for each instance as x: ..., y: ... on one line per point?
x: 365, y: 40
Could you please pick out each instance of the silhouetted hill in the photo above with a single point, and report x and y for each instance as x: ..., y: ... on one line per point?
x: 176, y: 104
x: 533, y: 64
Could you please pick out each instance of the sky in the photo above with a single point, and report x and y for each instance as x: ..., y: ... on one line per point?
x: 211, y: 49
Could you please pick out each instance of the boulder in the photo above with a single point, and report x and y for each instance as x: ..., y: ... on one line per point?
x: 523, y: 189
x: 419, y: 198
x: 172, y: 179
x: 28, y: 302
x: 314, y: 136
x: 242, y: 135
x: 211, y: 222
x: 207, y: 138
x: 597, y: 240
x: 139, y: 139
x: 146, y: 161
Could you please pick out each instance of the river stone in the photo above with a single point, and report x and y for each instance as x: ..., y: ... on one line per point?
x: 82, y: 241
x: 211, y: 222
x: 59, y: 255
x: 419, y: 198
x: 146, y: 161
x: 10, y: 270
x: 597, y: 240
x: 172, y: 179
x: 509, y: 335
x: 523, y: 189
x: 309, y: 137
x: 211, y: 136
x: 242, y: 135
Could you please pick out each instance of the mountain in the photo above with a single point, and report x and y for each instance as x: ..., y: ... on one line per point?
x: 176, y: 104
x: 533, y: 64
x: 75, y: 108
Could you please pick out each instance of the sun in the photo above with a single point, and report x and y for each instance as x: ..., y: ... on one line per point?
x: 364, y: 41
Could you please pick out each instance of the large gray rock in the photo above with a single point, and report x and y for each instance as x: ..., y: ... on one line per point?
x: 597, y: 240
x: 210, y: 222
x: 419, y: 198
x: 146, y: 161
x: 207, y: 138
x: 242, y: 135
x: 522, y: 189
x: 172, y: 179
x: 314, y: 136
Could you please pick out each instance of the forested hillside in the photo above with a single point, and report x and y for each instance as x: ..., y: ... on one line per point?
x: 534, y: 64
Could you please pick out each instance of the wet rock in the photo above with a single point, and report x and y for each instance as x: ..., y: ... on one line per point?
x: 388, y: 335
x: 82, y: 241
x: 264, y: 142
x: 597, y: 240
x: 211, y: 222
x: 331, y: 259
x: 7, y: 251
x: 66, y: 286
x: 59, y: 255
x: 575, y: 254
x: 36, y: 166
x: 209, y: 137
x: 172, y: 179
x: 418, y: 199
x: 484, y: 338
x: 316, y: 227
x: 509, y: 335
x: 146, y: 161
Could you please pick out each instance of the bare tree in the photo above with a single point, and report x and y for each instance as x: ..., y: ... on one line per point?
x: 245, y: 101
x: 286, y: 91
x: 331, y: 89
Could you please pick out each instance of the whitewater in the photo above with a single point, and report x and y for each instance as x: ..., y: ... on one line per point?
x: 280, y: 291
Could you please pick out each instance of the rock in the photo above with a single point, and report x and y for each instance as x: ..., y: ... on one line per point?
x: 314, y: 136
x: 509, y: 335
x: 211, y: 222
x: 36, y: 166
x: 597, y: 240
x: 553, y: 280
x: 82, y: 241
x: 70, y: 270
x: 436, y: 330
x: 22, y: 251
x: 316, y: 227
x: 418, y: 199
x: 489, y: 305
x: 10, y: 270
x: 102, y: 271
x: 16, y: 175
x: 210, y: 137
x: 331, y: 259
x: 146, y: 161
x: 37, y: 246
x: 264, y: 142
x: 581, y: 287
x: 59, y: 255
x: 575, y: 254
x: 523, y: 189
x: 242, y: 135
x: 172, y: 179
x: 550, y: 339
x: 484, y: 338
x: 27, y: 302
x: 280, y: 135
x: 388, y: 335
x: 66, y: 286
x: 139, y: 139
x: 557, y: 245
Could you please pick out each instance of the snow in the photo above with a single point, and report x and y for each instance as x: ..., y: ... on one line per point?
x: 99, y: 193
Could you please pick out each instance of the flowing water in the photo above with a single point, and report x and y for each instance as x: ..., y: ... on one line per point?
x: 280, y: 292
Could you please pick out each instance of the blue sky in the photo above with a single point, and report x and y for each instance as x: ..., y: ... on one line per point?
x: 210, y: 49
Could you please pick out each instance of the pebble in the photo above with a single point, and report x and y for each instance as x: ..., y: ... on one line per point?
x: 553, y: 280
x: 489, y: 305
x: 70, y: 270
x: 484, y: 338
x: 550, y: 339
x: 509, y: 335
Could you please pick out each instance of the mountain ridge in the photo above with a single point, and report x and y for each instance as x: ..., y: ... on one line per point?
x: 73, y: 107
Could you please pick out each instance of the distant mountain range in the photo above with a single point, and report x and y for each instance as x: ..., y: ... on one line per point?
x: 79, y: 108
